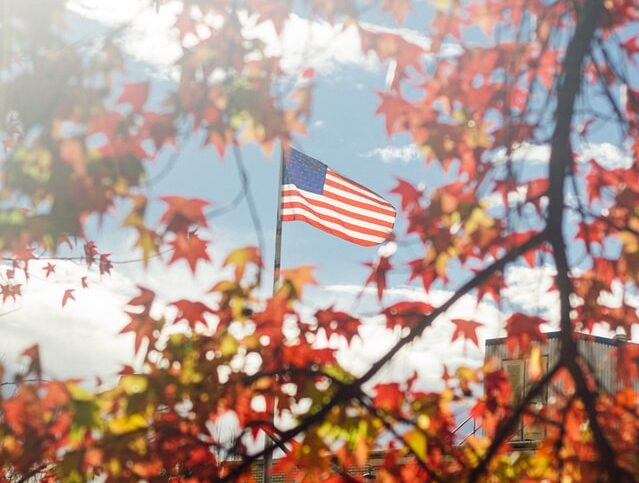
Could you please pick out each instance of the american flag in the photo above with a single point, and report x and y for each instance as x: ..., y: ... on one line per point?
x: 314, y: 193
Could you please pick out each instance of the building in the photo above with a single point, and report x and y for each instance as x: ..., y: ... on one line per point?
x: 599, y: 352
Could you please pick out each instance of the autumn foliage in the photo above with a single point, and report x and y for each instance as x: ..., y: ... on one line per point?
x: 498, y: 78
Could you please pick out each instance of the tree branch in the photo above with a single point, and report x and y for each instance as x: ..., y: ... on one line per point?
x: 561, y: 163
x: 507, y: 426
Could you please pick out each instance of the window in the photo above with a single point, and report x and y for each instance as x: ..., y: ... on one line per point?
x: 517, y: 372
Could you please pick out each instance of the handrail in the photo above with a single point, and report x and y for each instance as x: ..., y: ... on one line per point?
x: 460, y: 425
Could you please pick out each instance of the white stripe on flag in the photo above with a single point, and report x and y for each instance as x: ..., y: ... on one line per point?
x: 333, y: 226
x: 326, y: 211
x: 345, y: 206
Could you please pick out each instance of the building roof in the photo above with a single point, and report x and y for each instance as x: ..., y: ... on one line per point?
x: 556, y: 334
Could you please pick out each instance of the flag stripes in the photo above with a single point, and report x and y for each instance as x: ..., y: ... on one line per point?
x: 333, y: 203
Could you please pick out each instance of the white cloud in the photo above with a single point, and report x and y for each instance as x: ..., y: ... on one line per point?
x: 150, y: 37
x: 83, y: 340
x: 391, y: 154
x: 606, y: 155
x: 79, y: 340
x: 525, y: 152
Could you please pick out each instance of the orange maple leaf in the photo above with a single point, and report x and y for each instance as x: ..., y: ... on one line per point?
x: 298, y: 278
x: 240, y: 257
x: 192, y: 312
x: 183, y: 212
x: 190, y: 247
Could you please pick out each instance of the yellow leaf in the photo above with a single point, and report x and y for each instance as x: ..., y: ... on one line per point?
x: 417, y: 443
x: 228, y: 346
x: 440, y: 265
x: 134, y: 384
x: 361, y: 450
x: 534, y: 363
x: 241, y: 257
x: 79, y: 394
x: 126, y: 424
x: 478, y: 219
x: 148, y: 243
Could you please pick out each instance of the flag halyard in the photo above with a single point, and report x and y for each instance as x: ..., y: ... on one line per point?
x: 314, y: 193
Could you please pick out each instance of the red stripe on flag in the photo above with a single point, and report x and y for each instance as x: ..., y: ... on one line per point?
x: 336, y: 209
x: 338, y: 221
x: 372, y: 208
x: 345, y: 184
x: 301, y: 217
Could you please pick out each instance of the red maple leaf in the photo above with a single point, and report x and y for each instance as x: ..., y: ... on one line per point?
x: 192, y: 312
x: 426, y: 271
x: 145, y: 299
x: 337, y: 322
x: 10, y: 290
x: 90, y: 252
x: 134, y: 94
x: 491, y: 287
x: 409, y: 194
x: 68, y: 295
x: 49, y: 269
x: 275, y: 12
x: 106, y: 123
x: 594, y: 231
x: 378, y: 275
x: 105, y: 264
x: 388, y: 397
x: 535, y: 190
x: 398, y: 8
x: 466, y: 329
x: 33, y: 353
x: 142, y: 325
x: 160, y: 128
x: 269, y: 321
x: 396, y: 110
x: 522, y: 330
x: 304, y: 355
x: 521, y: 237
x: 406, y: 314
x: 631, y: 46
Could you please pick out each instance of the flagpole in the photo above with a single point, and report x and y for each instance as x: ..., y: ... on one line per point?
x: 268, y: 442
x: 278, y: 228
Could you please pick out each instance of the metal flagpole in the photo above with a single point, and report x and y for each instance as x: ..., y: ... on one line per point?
x: 278, y: 229
x: 268, y: 442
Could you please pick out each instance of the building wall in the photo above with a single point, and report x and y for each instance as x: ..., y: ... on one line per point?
x: 600, y: 354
